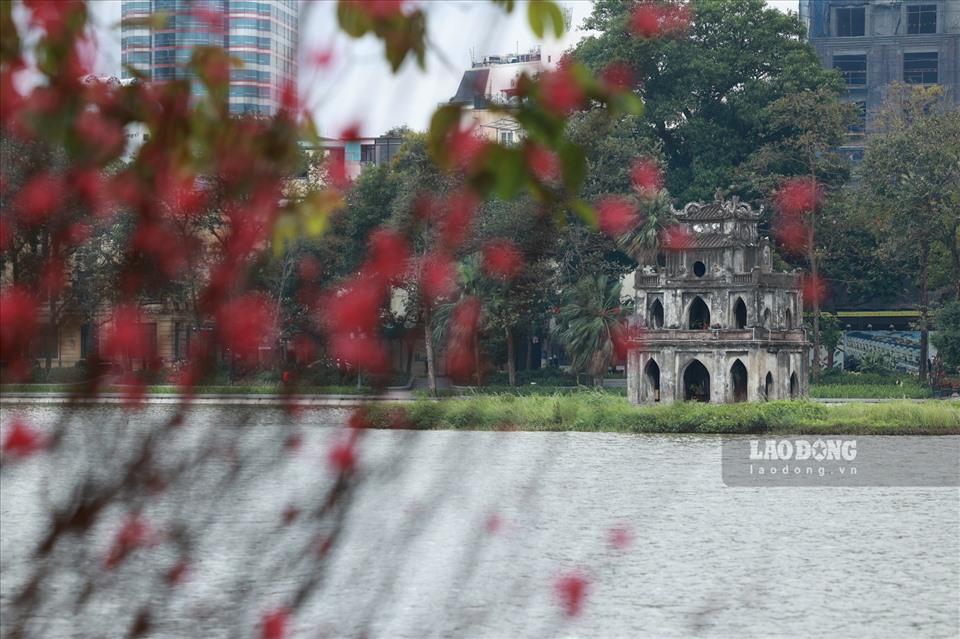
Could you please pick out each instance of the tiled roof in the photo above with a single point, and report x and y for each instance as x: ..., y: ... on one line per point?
x: 472, y: 84
x: 711, y: 241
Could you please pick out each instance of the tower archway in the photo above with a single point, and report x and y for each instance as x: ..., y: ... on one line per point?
x: 768, y: 389
x: 651, y: 382
x: 696, y: 382
x: 788, y: 319
x: 794, y: 386
x: 656, y: 315
x: 740, y: 314
x: 738, y: 381
x: 699, y: 314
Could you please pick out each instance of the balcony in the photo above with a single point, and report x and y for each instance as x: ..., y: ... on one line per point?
x: 664, y: 336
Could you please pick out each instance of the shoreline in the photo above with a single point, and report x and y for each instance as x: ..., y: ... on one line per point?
x: 588, y: 412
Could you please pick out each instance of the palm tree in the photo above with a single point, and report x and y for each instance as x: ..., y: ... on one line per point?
x: 591, y: 321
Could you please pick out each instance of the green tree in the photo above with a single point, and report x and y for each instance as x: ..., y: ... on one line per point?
x: 591, y: 320
x: 705, y: 94
x: 910, y: 179
x: 801, y: 135
x: 947, y: 336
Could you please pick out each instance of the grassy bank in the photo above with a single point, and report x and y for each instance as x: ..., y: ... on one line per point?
x: 603, y: 412
x: 837, y: 384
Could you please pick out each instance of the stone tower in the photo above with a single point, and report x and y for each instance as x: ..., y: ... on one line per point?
x: 715, y: 322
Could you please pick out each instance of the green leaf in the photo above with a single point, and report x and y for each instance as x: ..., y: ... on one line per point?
x: 584, y: 211
x: 539, y: 12
x: 574, y: 166
x: 353, y: 21
x: 444, y: 120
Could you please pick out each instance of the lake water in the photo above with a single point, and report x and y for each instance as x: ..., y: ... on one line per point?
x: 451, y: 534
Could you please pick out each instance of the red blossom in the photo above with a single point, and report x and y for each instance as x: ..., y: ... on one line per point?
x: 460, y: 209
x: 359, y: 418
x: 502, y: 259
x: 53, y: 17
x: 356, y: 307
x: 214, y: 21
x: 543, y: 163
x: 621, y: 537
x: 274, y: 624
x: 309, y: 269
x: 676, y: 238
x: 438, y: 277
x: 104, y: 138
x: 359, y: 351
x: 791, y: 233
x: 342, y: 456
x: 40, y: 197
x: 22, y: 440
x: 127, y: 336
x: 571, y: 589
x: 389, y: 255
x: 18, y: 321
x: 493, y: 523
x: 6, y: 235
x: 653, y: 19
x: 561, y: 91
x: 616, y: 215
x: 133, y: 534
x: 459, y: 358
x: 798, y: 196
x: 320, y: 58
x: 815, y: 289
x: 618, y: 76
x: 245, y: 323
x: 294, y: 441
x: 624, y: 336
x: 351, y: 133
x: 466, y: 148
x: 647, y: 176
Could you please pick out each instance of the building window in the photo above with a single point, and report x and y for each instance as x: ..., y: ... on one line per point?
x: 506, y: 137
x: 368, y: 153
x: 853, y: 68
x: 921, y: 18
x: 920, y: 68
x: 850, y: 21
x: 858, y: 128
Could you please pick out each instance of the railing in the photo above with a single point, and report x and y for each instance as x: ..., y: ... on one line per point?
x: 720, y: 334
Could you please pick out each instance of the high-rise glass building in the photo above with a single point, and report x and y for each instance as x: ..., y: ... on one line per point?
x: 263, y: 34
x: 874, y: 43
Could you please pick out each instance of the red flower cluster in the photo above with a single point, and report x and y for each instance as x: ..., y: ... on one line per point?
x: 132, y: 535
x: 560, y: 91
x: 502, y: 259
x: 342, y: 455
x: 676, y: 238
x: 618, y: 76
x: 815, y: 289
x: 438, y: 277
x: 616, y: 215
x: 792, y: 233
x: 621, y: 537
x: 460, y: 208
x: 246, y: 323
x: 798, y: 196
x: 274, y: 624
x: 647, y: 177
x: 571, y: 589
x: 654, y: 19
x: 459, y: 361
x: 466, y: 149
x: 22, y: 441
x: 389, y: 254
x: 40, y: 198
x: 543, y: 163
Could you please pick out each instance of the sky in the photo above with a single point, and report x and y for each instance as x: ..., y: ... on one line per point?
x: 358, y: 87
